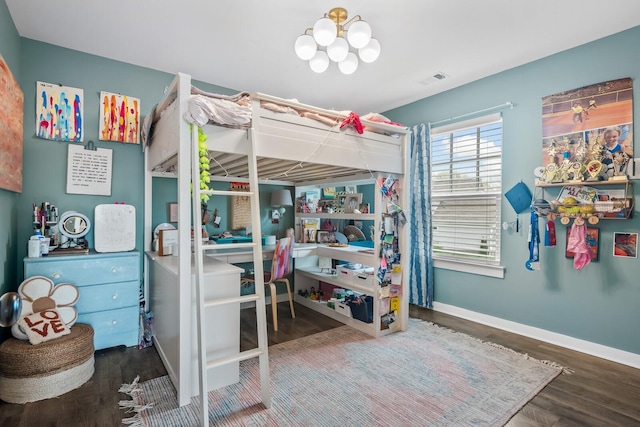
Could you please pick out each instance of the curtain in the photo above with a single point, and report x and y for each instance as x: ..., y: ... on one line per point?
x: 420, y: 252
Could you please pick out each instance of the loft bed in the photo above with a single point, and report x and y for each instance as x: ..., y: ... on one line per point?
x: 292, y: 142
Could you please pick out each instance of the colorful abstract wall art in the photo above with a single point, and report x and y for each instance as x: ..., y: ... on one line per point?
x: 119, y: 118
x: 11, y: 114
x: 59, y: 112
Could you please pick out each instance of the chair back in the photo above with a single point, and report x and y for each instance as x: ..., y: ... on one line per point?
x: 282, y: 263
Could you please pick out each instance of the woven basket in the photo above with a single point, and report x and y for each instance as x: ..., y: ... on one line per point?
x: 29, y: 373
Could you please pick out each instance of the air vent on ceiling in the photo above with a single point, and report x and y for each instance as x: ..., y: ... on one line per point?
x: 433, y: 79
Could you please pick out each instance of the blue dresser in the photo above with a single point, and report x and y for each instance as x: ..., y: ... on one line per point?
x: 109, y: 287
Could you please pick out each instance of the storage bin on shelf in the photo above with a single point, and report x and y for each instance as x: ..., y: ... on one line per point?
x: 355, y: 274
x: 362, y: 308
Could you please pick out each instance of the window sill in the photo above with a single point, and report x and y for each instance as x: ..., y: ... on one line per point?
x: 496, y: 271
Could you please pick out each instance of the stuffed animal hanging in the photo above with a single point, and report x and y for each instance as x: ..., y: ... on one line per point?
x: 577, y: 244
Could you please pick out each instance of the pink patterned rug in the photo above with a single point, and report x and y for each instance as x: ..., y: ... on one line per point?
x: 427, y: 376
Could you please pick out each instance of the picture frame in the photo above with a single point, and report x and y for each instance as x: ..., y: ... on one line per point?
x: 325, y: 237
x: 173, y: 212
x: 329, y: 192
x: 625, y: 245
x: 593, y: 240
x: 352, y: 202
x: 350, y: 189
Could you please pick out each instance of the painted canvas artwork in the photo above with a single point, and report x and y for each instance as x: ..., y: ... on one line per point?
x: 59, y: 112
x: 11, y: 114
x: 119, y: 118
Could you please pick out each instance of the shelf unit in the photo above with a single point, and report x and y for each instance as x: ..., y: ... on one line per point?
x: 307, y: 273
x: 626, y: 205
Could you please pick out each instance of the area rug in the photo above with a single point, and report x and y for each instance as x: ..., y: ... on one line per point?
x: 427, y: 376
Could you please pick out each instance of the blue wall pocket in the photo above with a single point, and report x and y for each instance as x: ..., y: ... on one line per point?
x: 519, y: 196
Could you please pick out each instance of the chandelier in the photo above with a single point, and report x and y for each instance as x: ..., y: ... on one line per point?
x: 329, y: 33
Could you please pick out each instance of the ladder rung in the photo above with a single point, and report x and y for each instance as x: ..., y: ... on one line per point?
x: 243, y: 355
x: 232, y: 300
x: 227, y: 193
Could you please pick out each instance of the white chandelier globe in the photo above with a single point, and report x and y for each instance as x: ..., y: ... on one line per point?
x: 349, y: 65
x: 305, y: 47
x: 338, y: 50
x: 359, y: 34
x: 370, y: 52
x: 325, y: 31
x: 320, y: 62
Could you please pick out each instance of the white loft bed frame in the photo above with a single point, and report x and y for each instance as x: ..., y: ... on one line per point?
x: 302, y: 150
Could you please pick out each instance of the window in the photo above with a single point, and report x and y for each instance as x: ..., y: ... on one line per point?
x: 466, y: 192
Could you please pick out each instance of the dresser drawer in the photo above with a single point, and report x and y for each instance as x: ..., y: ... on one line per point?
x: 113, y: 327
x: 82, y: 270
x: 108, y: 297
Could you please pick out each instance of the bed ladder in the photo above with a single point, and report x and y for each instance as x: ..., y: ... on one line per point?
x: 261, y: 351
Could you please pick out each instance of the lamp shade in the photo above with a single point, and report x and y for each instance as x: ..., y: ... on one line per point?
x: 281, y: 198
x: 370, y: 52
x: 305, y: 47
x: 320, y: 62
x: 325, y: 31
x: 350, y: 64
x: 338, y: 50
x: 359, y: 34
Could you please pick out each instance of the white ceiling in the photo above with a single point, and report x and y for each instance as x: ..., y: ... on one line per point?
x: 248, y: 44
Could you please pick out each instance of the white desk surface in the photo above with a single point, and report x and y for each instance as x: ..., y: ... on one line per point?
x: 266, y: 250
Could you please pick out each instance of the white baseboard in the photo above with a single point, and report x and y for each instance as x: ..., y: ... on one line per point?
x: 587, y: 347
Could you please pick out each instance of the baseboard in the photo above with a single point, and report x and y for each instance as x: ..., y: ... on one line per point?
x: 587, y: 347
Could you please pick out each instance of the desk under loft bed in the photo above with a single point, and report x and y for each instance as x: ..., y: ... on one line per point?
x: 293, y: 142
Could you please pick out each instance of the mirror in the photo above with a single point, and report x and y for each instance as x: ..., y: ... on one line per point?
x: 74, y: 225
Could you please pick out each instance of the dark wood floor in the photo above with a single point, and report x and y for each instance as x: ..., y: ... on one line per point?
x: 598, y: 393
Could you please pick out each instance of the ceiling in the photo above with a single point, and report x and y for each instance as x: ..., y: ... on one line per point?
x: 248, y: 44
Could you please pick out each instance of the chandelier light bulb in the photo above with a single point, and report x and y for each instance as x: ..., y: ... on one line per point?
x: 320, y: 62
x: 325, y: 31
x: 370, y: 52
x: 338, y: 50
x: 305, y: 47
x: 358, y: 34
x: 349, y: 65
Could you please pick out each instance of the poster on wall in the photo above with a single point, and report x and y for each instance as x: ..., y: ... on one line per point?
x: 119, y: 118
x: 59, y: 112
x: 89, y: 170
x: 588, y: 133
x: 11, y: 114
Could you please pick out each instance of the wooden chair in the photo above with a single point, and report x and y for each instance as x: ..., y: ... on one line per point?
x: 281, y: 267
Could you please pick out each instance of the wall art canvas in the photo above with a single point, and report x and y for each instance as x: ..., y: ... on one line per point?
x: 119, y: 118
x: 11, y: 114
x: 59, y: 112
x: 588, y: 132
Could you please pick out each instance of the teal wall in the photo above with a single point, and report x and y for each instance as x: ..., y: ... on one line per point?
x: 597, y: 304
x: 10, y: 51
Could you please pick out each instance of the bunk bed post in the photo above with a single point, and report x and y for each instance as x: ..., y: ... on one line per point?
x: 184, y: 242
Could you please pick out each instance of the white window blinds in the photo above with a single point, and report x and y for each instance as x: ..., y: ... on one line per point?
x: 466, y: 190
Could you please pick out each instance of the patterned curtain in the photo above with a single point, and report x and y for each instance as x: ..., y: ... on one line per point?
x: 421, y: 254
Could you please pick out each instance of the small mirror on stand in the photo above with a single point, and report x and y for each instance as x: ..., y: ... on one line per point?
x: 73, y: 227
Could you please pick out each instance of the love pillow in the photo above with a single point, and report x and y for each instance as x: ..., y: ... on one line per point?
x: 43, y: 326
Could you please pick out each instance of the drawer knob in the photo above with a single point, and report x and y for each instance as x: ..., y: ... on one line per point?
x: 115, y: 296
x: 56, y: 275
x: 113, y: 322
x: 113, y: 270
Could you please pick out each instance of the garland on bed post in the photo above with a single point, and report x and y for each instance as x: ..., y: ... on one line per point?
x: 203, y: 152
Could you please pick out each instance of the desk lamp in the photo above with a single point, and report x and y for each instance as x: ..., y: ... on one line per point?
x: 280, y: 199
